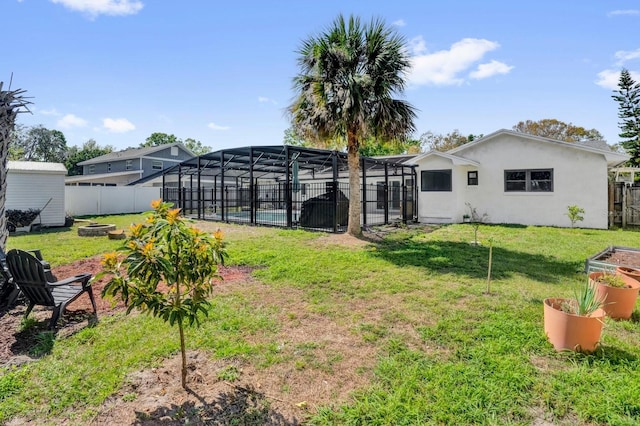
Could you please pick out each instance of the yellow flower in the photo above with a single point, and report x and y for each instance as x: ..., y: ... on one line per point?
x: 218, y: 234
x: 173, y: 215
x: 110, y: 260
x: 156, y: 203
x: 132, y: 245
x: 135, y: 229
x: 147, y: 249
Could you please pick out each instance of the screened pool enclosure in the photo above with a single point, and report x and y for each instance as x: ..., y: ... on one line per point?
x: 289, y: 186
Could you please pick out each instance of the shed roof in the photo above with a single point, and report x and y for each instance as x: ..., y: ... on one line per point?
x: 36, y: 167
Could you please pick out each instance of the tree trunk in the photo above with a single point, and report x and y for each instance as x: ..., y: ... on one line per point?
x: 11, y: 103
x: 183, y: 352
x: 353, y: 160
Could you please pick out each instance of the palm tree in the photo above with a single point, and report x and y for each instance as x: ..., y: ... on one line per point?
x: 11, y: 103
x: 345, y: 89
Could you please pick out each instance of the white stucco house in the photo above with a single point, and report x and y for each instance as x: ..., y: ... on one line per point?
x: 513, y: 177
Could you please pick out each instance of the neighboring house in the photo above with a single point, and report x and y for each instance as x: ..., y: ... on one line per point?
x: 124, y: 167
x: 37, y: 185
x: 513, y: 177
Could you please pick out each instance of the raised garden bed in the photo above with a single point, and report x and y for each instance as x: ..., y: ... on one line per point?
x: 611, y: 257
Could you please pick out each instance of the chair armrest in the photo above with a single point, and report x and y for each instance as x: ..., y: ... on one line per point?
x: 37, y: 254
x: 80, y: 278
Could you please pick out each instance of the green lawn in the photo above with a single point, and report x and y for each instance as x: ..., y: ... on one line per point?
x: 447, y: 353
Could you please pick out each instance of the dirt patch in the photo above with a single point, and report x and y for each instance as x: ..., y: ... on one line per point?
x: 321, y: 362
x: 622, y: 257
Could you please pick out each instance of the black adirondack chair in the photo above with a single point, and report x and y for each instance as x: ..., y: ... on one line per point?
x: 30, y: 276
x: 9, y: 293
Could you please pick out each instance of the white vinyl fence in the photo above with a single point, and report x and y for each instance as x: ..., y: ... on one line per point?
x: 99, y: 200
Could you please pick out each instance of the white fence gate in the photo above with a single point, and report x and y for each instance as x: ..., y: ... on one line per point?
x: 99, y: 200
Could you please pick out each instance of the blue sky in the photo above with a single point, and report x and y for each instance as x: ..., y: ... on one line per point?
x: 221, y: 72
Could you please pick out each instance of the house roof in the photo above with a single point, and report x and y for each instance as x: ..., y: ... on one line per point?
x: 100, y: 176
x: 132, y: 153
x: 612, y: 157
x: 37, y: 167
x: 456, y: 160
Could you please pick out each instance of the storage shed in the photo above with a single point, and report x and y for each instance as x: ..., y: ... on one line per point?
x: 37, y: 185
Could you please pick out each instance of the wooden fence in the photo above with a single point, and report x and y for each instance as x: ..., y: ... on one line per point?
x: 624, y: 204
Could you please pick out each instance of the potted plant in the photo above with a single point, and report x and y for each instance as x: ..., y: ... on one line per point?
x: 630, y: 272
x: 619, y: 292
x: 575, y: 324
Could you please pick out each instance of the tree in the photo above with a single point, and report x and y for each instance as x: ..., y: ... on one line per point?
x: 12, y: 102
x: 196, y: 147
x: 39, y: 144
x: 628, y: 98
x: 158, y: 138
x: 558, y: 130
x: 90, y: 149
x: 166, y: 249
x: 438, y: 142
x: 348, y: 78
x: 370, y: 147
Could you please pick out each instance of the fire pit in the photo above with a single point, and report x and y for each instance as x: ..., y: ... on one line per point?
x: 95, y: 230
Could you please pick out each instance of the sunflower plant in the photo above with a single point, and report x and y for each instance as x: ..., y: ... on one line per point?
x: 168, y: 250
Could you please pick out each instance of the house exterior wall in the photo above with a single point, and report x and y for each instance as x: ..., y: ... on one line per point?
x: 143, y: 163
x: 579, y: 178
x: 28, y: 189
x: 116, y: 166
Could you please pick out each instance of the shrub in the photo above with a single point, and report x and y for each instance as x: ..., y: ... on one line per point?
x: 166, y: 249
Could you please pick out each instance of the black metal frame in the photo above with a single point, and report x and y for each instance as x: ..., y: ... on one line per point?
x: 272, y: 185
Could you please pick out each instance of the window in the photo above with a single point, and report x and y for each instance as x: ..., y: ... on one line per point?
x: 533, y: 180
x: 92, y: 169
x: 472, y: 178
x: 128, y: 165
x: 436, y: 180
x: 156, y: 165
x: 108, y: 167
x: 174, y: 151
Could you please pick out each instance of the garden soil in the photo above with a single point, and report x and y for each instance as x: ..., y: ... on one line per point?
x: 285, y: 393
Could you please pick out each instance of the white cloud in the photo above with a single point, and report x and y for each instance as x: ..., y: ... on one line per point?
x: 624, y: 12
x: 490, y: 69
x: 71, y: 120
x: 51, y: 111
x: 609, y: 78
x: 264, y: 99
x: 215, y: 126
x: 399, y: 23
x: 624, y: 56
x: 445, y: 67
x: 94, y: 8
x: 118, y: 125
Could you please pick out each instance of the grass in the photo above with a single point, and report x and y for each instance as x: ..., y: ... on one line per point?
x: 447, y: 352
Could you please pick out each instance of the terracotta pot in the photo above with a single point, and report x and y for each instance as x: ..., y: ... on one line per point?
x: 619, y: 302
x: 571, y: 332
x: 630, y: 272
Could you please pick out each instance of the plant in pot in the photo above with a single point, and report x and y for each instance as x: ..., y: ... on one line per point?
x: 575, y: 323
x: 619, y: 292
x: 630, y: 272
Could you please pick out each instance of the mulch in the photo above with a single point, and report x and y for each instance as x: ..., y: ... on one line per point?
x: 17, y: 346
